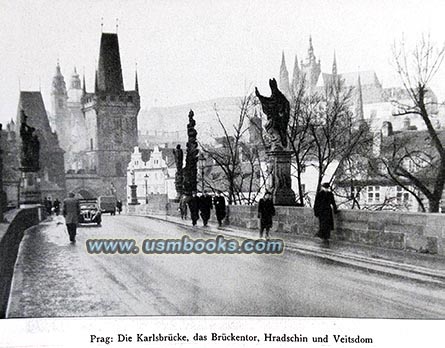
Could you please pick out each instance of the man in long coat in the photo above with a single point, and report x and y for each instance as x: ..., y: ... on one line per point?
x: 323, y: 207
x: 266, y: 211
x: 220, y: 207
x: 205, y: 206
x: 194, y: 208
x: 71, y: 212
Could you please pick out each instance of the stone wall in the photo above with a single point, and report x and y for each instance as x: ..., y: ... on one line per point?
x: 11, y: 234
x: 157, y: 204
x: 422, y: 232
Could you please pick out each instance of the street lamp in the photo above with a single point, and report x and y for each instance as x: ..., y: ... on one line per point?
x: 146, y: 188
x: 202, y: 162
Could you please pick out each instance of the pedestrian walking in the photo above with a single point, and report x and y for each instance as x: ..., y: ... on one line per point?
x: 220, y: 207
x: 194, y: 208
x: 183, y: 207
x: 48, y: 205
x: 205, y: 206
x: 71, y: 212
x: 56, y: 206
x: 266, y: 211
x: 119, y: 206
x: 323, y: 207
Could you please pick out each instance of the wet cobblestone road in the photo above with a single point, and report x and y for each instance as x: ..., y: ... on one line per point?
x: 54, y: 278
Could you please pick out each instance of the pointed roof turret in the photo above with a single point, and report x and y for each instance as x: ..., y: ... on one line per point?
x: 84, y: 85
x: 310, y: 51
x: 334, y: 65
x: 359, y: 101
x: 110, y: 70
x: 296, y: 75
x: 59, y: 86
x: 96, y: 86
x: 284, y: 78
x: 136, y: 82
x: 75, y: 80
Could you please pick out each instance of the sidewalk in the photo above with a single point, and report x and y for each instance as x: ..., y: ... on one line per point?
x: 415, y: 266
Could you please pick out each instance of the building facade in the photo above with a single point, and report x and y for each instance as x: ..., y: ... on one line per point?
x: 99, y: 129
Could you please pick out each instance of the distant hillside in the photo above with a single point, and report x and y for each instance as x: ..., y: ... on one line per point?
x: 174, y: 119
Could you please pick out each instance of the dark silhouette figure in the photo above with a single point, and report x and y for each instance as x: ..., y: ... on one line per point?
x: 56, y: 206
x: 179, y: 177
x: 220, y: 207
x: 194, y: 208
x: 190, y: 171
x: 205, y: 206
x: 266, y: 211
x: 183, y: 207
x: 29, y: 156
x: 277, y: 109
x: 323, y: 207
x: 71, y: 212
x: 48, y: 205
x: 119, y: 206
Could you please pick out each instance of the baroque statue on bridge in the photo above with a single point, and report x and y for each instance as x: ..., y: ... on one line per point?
x: 29, y: 155
x: 277, y: 109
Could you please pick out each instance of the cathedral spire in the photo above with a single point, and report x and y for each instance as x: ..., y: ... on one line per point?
x: 359, y: 101
x: 334, y: 65
x: 284, y: 78
x: 310, y: 51
x: 296, y: 75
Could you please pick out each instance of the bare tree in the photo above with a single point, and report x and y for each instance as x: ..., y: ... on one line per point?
x: 303, y: 110
x: 336, y: 133
x: 416, y: 69
x: 238, y: 162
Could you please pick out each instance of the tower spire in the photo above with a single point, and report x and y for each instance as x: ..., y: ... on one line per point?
x: 136, y: 82
x: 284, y: 77
x: 109, y: 74
x: 96, y: 88
x: 84, y: 85
x: 334, y: 65
x: 359, y: 101
x: 296, y: 76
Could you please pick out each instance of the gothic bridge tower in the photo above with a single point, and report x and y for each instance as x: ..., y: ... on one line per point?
x: 111, y: 115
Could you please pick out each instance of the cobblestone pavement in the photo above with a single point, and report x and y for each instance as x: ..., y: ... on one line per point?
x: 55, y: 278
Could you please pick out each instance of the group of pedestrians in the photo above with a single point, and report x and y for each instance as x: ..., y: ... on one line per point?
x: 201, y: 206
x: 51, y: 206
x: 324, y: 207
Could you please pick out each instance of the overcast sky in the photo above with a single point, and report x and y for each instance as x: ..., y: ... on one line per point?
x: 199, y: 49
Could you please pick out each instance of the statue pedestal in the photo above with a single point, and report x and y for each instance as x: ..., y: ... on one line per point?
x: 134, y: 197
x: 30, y: 189
x: 281, y: 185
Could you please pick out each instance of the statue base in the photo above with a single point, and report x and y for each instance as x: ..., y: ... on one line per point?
x: 281, y: 185
x: 30, y: 189
x: 134, y: 197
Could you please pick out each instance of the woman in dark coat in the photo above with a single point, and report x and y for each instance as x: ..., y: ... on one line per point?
x: 220, y: 207
x: 266, y: 210
x: 323, y: 206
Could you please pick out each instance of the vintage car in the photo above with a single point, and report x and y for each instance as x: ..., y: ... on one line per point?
x: 89, y: 212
